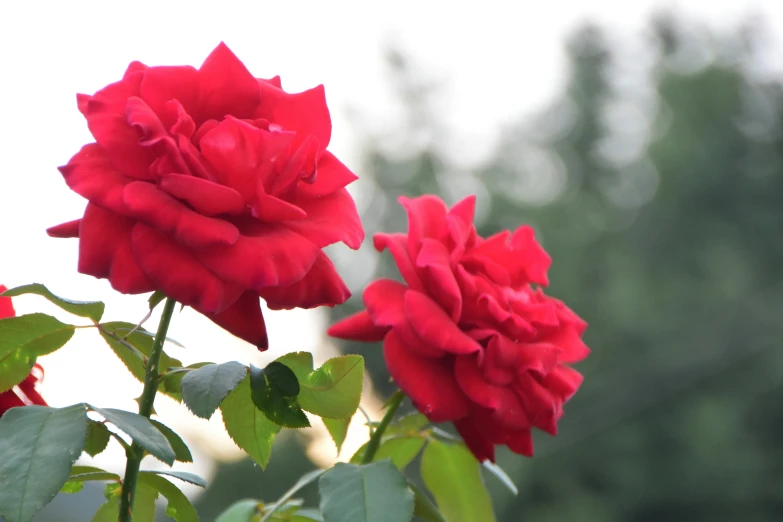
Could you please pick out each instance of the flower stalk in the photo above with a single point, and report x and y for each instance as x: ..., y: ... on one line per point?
x: 375, y: 440
x: 146, y: 401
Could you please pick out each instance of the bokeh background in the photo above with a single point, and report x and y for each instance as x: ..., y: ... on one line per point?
x: 642, y: 140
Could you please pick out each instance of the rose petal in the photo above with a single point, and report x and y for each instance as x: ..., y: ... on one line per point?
x: 426, y: 218
x: 563, y: 381
x: 472, y: 433
x: 429, y: 383
x: 6, y: 305
x: 271, y: 256
x: 358, y: 327
x: 414, y: 343
x: 305, y: 113
x: 245, y: 320
x: 204, y: 196
x: 178, y: 274
x: 105, y: 114
x: 534, y: 261
x: 569, y: 341
x: 435, y: 327
x: 163, y: 84
x: 322, y: 286
x: 330, y: 219
x: 507, y: 407
x: 226, y: 87
x: 438, y: 276
x: 105, y: 251
x: 161, y: 211
x: 91, y: 174
x: 270, y: 209
x: 331, y: 176
x: 65, y: 230
x: 398, y: 246
x: 384, y: 301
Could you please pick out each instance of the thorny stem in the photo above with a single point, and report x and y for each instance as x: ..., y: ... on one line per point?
x: 136, y: 453
x: 375, y: 440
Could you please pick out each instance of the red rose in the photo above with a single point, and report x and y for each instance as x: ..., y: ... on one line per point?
x: 24, y: 393
x: 214, y: 187
x: 467, y: 337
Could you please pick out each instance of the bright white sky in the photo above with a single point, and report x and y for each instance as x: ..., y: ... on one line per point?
x: 51, y: 51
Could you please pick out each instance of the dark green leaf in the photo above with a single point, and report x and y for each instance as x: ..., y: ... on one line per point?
x: 97, y: 437
x: 276, y: 405
x: 179, y: 507
x: 332, y: 391
x: 181, y: 450
x: 375, y: 492
x: 282, y: 377
x: 91, y: 309
x: 204, y: 389
x: 246, y: 425
x: 338, y: 429
x: 192, y: 478
x: 141, y: 430
x: 423, y: 506
x: 452, y: 474
x: 38, y: 446
x: 155, y: 299
x: 23, y: 339
x: 241, y: 511
x: 134, y: 348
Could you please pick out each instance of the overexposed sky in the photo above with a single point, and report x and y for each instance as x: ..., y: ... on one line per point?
x: 49, y: 51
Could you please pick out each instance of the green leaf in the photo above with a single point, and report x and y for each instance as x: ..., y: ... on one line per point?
x: 241, y: 511
x: 141, y: 430
x: 332, y: 391
x: 88, y: 473
x: 338, y: 429
x: 452, y: 474
x: 401, y: 450
x: 143, y: 506
x: 155, y: 299
x: 191, y: 478
x: 71, y: 487
x: 38, y: 445
x: 91, y: 309
x: 204, y: 389
x: 172, y: 380
x: 276, y: 403
x: 246, y: 425
x: 423, y: 506
x: 375, y: 492
x: 25, y: 338
x: 134, y: 348
x: 501, y: 475
x: 98, y: 436
x: 108, y: 512
x: 411, y: 423
x: 181, y: 450
x: 303, y: 481
x: 282, y: 377
x: 308, y: 515
x: 179, y: 507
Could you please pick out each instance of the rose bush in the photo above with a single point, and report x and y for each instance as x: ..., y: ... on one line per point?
x: 467, y: 337
x: 214, y: 187
x: 24, y: 393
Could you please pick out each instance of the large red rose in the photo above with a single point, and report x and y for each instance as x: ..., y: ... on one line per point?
x: 467, y: 337
x: 24, y: 393
x: 216, y: 188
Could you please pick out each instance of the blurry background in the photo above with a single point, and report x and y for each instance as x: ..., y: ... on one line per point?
x: 643, y: 142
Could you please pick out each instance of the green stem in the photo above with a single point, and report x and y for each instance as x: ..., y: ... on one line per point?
x: 136, y: 453
x: 375, y: 440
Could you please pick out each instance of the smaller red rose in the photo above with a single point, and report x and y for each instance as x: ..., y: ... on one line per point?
x: 24, y: 393
x: 467, y: 337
